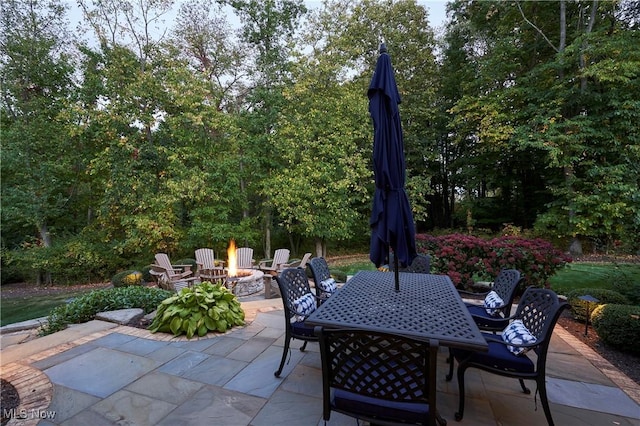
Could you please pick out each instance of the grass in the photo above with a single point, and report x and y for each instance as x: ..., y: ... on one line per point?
x: 26, y: 308
x: 595, y: 275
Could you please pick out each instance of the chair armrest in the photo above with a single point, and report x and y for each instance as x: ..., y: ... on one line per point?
x: 473, y: 294
x: 263, y: 263
x: 184, y: 267
x: 498, y: 339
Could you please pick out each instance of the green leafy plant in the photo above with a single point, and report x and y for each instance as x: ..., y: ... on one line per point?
x: 204, y: 307
x: 84, y: 308
x: 579, y: 307
x: 618, y: 325
x: 127, y: 278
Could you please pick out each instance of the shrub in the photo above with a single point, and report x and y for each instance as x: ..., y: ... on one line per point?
x: 186, y: 261
x: 466, y: 258
x: 618, y: 325
x: 579, y: 307
x: 84, y: 308
x: 457, y: 255
x: 146, y: 274
x: 535, y: 258
x: 204, y: 307
x: 127, y: 278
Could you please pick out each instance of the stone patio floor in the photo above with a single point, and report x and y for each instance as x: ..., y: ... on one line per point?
x: 101, y: 373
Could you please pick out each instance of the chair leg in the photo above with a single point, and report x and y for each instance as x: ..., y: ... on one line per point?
x: 461, y: 370
x: 542, y: 388
x: 524, y: 388
x: 287, y: 342
x: 304, y: 346
x: 449, y: 376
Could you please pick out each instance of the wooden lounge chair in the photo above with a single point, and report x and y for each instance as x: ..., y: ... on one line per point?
x: 244, y: 258
x: 171, y: 277
x: 273, y: 266
x: 302, y: 263
x: 207, y: 268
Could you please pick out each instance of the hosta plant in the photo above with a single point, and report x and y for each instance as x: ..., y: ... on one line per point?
x: 196, y: 311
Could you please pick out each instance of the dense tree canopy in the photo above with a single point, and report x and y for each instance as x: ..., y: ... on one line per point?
x: 154, y: 135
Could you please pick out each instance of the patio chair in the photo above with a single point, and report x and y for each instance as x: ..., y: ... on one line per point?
x: 298, y: 302
x: 207, y: 268
x: 381, y: 378
x: 324, y: 283
x: 302, y: 263
x: 171, y: 277
x: 421, y: 264
x: 494, y: 313
x: 534, y: 320
x: 244, y: 258
x: 274, y: 266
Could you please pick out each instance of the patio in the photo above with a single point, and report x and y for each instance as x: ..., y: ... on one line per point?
x: 101, y: 373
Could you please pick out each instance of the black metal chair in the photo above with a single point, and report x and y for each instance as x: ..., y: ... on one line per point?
x: 381, y: 378
x: 421, y: 264
x: 495, y: 317
x: 298, y: 302
x: 538, y: 311
x: 322, y: 278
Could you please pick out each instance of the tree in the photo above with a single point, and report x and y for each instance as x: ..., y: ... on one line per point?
x: 320, y: 190
x: 39, y: 167
x: 268, y: 28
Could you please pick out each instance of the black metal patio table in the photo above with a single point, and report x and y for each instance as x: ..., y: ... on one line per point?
x: 427, y: 307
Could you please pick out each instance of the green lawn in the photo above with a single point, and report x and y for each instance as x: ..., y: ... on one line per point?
x: 18, y: 309
x: 595, y: 275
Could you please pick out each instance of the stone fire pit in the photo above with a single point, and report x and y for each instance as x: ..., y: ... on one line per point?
x: 247, y: 282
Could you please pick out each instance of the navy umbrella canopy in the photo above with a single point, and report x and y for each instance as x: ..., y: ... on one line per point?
x: 391, y: 219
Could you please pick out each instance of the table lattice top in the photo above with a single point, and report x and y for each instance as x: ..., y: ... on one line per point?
x: 426, y: 307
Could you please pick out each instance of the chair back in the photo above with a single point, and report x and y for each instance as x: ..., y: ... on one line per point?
x: 304, y: 261
x: 293, y: 284
x: 421, y: 264
x: 320, y: 272
x: 539, y: 310
x: 505, y: 285
x: 377, y: 376
x: 244, y: 257
x: 162, y: 259
x: 279, y: 257
x: 205, y: 258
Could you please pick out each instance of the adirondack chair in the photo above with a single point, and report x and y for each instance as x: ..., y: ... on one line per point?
x: 244, y: 258
x: 298, y: 263
x: 171, y: 277
x: 207, y: 269
x: 273, y: 266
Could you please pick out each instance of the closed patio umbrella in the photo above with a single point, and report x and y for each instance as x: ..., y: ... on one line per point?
x: 391, y: 219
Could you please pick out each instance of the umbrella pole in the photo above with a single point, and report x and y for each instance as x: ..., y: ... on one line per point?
x: 396, y: 271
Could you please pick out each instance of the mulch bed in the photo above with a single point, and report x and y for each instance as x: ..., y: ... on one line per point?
x: 10, y: 400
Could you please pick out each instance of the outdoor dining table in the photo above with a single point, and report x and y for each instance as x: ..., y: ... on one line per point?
x: 427, y: 307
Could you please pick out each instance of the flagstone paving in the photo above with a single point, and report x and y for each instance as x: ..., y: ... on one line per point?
x: 100, y: 373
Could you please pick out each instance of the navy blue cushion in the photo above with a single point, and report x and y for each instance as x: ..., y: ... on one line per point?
x: 366, y: 406
x: 498, y: 357
x: 301, y: 329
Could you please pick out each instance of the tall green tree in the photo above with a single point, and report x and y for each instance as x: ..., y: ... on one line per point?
x: 39, y: 165
x: 535, y: 113
x: 268, y: 28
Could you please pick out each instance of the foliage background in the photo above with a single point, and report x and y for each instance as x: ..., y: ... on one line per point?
x: 170, y: 136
